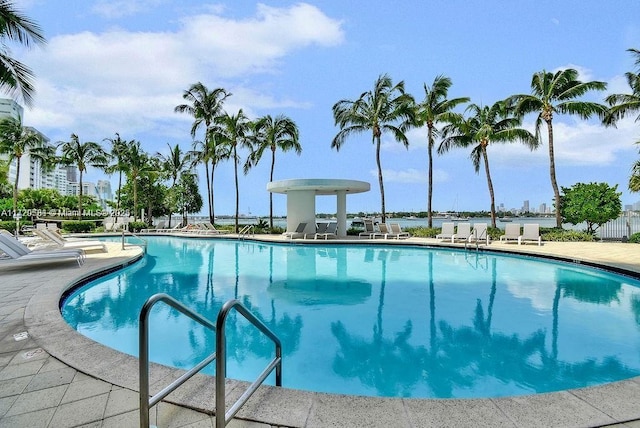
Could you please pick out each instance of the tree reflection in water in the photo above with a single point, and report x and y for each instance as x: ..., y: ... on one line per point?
x: 380, y: 320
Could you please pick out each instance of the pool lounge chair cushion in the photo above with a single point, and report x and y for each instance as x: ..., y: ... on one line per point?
x: 448, y: 230
x: 511, y: 232
x: 531, y: 233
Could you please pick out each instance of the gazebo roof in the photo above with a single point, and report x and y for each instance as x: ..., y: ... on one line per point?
x: 321, y: 186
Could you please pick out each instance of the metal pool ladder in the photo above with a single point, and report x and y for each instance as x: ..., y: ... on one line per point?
x: 222, y: 417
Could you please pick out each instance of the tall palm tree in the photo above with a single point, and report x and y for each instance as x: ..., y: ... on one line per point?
x: 485, y: 126
x: 82, y: 155
x: 556, y: 93
x: 273, y: 134
x: 15, y: 77
x: 634, y: 179
x: 623, y: 104
x: 139, y: 164
x: 433, y: 110
x: 235, y: 134
x: 173, y: 166
x: 16, y: 141
x: 205, y: 106
x: 118, y: 155
x: 386, y: 108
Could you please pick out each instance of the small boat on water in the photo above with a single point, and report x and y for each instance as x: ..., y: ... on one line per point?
x: 505, y: 219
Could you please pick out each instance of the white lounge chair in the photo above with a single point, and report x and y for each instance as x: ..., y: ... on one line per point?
x: 448, y: 230
x: 398, y: 232
x: 530, y: 232
x: 330, y: 231
x: 463, y: 232
x: 511, y: 232
x: 479, y: 233
x: 298, y: 233
x: 19, y: 253
x: 369, y: 230
x: 62, y: 242
x: 320, y: 229
x: 387, y: 232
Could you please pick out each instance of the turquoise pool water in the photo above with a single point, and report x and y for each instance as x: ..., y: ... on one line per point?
x: 377, y: 320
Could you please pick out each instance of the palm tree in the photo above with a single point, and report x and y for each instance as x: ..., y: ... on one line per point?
x: 15, y: 142
x: 139, y: 164
x: 173, y: 166
x: 235, y: 134
x: 386, y: 108
x: 273, y: 134
x: 82, y: 155
x: 436, y: 108
x: 623, y: 104
x: 486, y: 125
x: 15, y: 77
x: 118, y: 153
x: 205, y: 106
x: 556, y: 93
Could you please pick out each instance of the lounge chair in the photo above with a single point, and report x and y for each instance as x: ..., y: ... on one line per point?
x: 463, y: 232
x: 387, y: 232
x: 211, y: 228
x: 19, y: 253
x: 479, y: 233
x: 448, y: 230
x: 159, y: 226
x: 511, y: 232
x: 530, y: 232
x: 320, y: 228
x: 369, y: 230
x: 398, y: 232
x: 330, y: 231
x: 298, y: 233
x: 62, y: 242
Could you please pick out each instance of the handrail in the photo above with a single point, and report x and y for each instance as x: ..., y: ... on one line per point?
x: 146, y: 402
x: 484, y: 234
x: 126, y: 232
x: 223, y: 418
x: 246, y: 230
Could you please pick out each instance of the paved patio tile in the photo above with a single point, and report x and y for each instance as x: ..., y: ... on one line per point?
x: 14, y: 386
x: 49, y: 379
x: 121, y: 401
x: 89, y: 410
x: 84, y: 389
x: 171, y: 416
x: 6, y: 403
x: 13, y: 371
x: 34, y: 419
x: 37, y: 400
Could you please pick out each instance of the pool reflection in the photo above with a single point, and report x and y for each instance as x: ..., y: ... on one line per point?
x: 377, y: 320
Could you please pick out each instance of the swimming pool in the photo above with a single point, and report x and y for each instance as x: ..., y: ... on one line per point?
x: 378, y: 320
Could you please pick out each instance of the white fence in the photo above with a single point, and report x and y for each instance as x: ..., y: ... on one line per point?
x: 621, y: 228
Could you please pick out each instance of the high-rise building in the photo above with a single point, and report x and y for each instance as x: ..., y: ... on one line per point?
x: 103, y: 187
x: 10, y: 108
x: 525, y: 207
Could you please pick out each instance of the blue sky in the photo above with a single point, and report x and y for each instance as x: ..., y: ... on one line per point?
x: 122, y: 66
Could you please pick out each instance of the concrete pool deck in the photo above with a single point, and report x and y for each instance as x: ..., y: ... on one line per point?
x: 54, y: 377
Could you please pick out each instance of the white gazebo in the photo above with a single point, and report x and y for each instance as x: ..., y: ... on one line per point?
x: 301, y: 199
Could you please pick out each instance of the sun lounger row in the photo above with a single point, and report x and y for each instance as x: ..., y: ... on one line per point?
x: 198, y: 228
x: 530, y: 233
x: 322, y: 230
x: 18, y: 253
x: 464, y: 232
x: 385, y: 230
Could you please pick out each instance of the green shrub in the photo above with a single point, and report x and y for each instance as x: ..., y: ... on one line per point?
x: 78, y: 226
x: 562, y: 235
x: 8, y: 225
x: 137, y: 226
x: 635, y: 238
x: 423, y: 232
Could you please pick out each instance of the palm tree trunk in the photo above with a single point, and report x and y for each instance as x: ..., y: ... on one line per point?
x: 430, y: 191
x: 552, y: 172
x: 213, y: 206
x: 119, y: 190
x: 235, y: 169
x: 206, y: 171
x: 135, y: 199
x: 273, y: 164
x: 80, y: 196
x: 380, y: 180
x: 490, y: 184
x: 15, y: 186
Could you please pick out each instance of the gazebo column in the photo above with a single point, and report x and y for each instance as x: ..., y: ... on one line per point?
x: 301, y: 208
x: 341, y: 207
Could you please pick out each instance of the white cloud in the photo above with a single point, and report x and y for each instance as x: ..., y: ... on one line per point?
x: 116, y: 9
x: 411, y: 176
x: 125, y: 80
